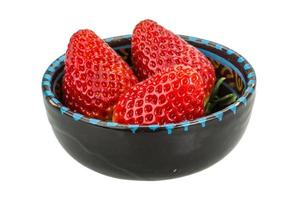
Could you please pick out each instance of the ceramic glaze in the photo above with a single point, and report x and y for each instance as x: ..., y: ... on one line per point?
x: 154, y: 152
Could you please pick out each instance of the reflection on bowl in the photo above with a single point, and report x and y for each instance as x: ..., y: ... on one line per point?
x: 155, y: 152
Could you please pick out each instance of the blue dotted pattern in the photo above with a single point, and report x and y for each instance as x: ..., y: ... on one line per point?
x: 218, y: 46
x: 229, y: 52
x: 63, y: 109
x: 133, y: 128
x: 202, y: 121
x: 251, y: 82
x: 240, y: 59
x: 251, y: 75
x: 55, y: 100
x: 242, y: 100
x: 111, y: 124
x: 219, y: 115
x: 94, y: 121
x: 153, y: 127
x: 247, y: 66
x: 47, y: 77
x: 46, y: 83
x: 47, y: 92
x: 77, y: 116
x: 186, y: 125
x: 169, y: 128
x: 233, y: 108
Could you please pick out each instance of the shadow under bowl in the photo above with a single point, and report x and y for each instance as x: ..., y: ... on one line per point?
x: 155, y: 152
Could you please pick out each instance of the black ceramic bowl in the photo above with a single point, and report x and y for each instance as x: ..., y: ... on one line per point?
x: 154, y: 152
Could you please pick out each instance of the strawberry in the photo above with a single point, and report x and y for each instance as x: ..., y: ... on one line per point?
x: 94, y: 76
x: 154, y: 48
x: 172, y: 96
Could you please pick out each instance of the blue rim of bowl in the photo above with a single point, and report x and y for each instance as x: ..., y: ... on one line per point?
x: 219, y: 115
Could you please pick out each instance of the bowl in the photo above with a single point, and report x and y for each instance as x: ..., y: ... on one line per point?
x: 154, y: 152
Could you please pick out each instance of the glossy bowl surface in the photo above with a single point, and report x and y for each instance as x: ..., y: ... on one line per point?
x: 154, y: 152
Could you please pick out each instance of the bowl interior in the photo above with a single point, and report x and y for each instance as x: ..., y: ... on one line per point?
x: 235, y: 82
x: 240, y: 79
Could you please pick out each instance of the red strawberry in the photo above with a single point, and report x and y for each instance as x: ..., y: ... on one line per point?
x: 155, y: 48
x: 175, y: 95
x: 94, y: 76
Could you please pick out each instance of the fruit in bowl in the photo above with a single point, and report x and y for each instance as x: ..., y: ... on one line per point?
x: 95, y: 76
x: 172, y: 123
x: 155, y: 48
x: 175, y: 95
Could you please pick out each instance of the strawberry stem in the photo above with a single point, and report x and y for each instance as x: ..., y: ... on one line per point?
x: 227, y: 99
x: 215, y: 100
x: 216, y: 88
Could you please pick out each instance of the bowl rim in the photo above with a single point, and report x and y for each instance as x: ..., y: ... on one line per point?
x: 250, y: 86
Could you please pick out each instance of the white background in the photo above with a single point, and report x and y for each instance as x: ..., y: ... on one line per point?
x: 33, y: 165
